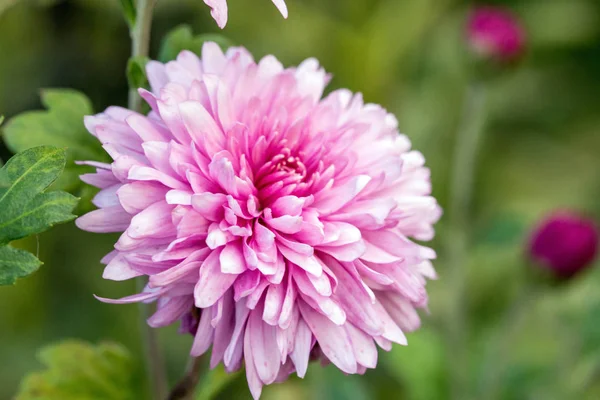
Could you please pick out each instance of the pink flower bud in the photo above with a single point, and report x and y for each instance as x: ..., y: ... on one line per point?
x: 564, y: 243
x: 495, y: 33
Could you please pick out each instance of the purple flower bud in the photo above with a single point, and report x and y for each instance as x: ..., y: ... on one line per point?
x: 564, y: 243
x: 494, y: 33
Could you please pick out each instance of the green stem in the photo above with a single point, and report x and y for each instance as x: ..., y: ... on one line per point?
x: 461, y: 189
x: 140, y: 45
x: 140, y: 42
x: 186, y: 387
x: 155, y: 366
x: 497, y: 356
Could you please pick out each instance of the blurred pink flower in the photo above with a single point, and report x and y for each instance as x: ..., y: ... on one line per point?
x: 495, y: 33
x: 219, y: 10
x: 272, y: 223
x: 564, y: 243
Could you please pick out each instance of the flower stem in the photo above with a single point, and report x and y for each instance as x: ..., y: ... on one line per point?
x: 140, y: 44
x: 497, y: 354
x: 186, y: 387
x: 461, y: 189
x: 155, y: 366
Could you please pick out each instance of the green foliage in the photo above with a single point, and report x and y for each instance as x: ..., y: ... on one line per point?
x: 420, y: 365
x: 62, y: 126
x: 77, y: 370
x: 136, y: 72
x: 1, y: 119
x: 16, y: 263
x: 129, y: 11
x: 214, y: 382
x: 330, y: 383
x: 24, y: 207
x: 182, y: 38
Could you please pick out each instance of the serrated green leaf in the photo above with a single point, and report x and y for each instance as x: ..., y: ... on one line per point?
x: 77, y: 370
x: 182, y: 38
x: 136, y: 72
x: 62, y: 126
x: 24, y: 208
x: 129, y: 11
x: 16, y: 263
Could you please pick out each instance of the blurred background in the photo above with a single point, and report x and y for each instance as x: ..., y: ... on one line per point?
x: 540, y: 151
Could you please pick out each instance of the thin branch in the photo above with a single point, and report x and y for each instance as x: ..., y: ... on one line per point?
x: 458, y: 236
x: 140, y: 45
x: 185, y: 389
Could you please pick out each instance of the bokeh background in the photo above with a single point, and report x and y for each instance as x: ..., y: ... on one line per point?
x: 540, y: 152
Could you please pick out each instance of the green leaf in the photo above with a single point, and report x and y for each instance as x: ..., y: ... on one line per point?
x: 182, y: 38
x: 15, y: 263
x: 77, y: 370
x: 136, y: 72
x: 1, y: 119
x: 129, y: 11
x: 25, y: 209
x: 62, y: 126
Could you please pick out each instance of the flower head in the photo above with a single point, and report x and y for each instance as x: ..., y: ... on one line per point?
x: 219, y: 10
x: 495, y: 33
x: 272, y: 222
x: 564, y: 243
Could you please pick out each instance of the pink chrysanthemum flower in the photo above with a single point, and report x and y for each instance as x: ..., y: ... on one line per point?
x: 219, y: 10
x: 273, y: 223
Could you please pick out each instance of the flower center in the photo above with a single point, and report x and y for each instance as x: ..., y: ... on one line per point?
x: 280, y: 175
x: 292, y: 165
